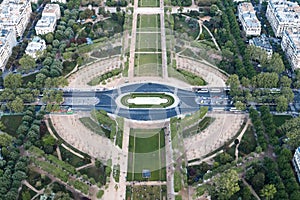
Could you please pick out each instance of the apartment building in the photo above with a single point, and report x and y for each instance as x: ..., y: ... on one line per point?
x: 283, y: 15
x: 7, y: 42
x: 263, y: 43
x: 47, y: 23
x: 35, y: 47
x: 296, y: 162
x: 58, y: 1
x: 290, y: 44
x: 251, y: 25
x: 15, y: 14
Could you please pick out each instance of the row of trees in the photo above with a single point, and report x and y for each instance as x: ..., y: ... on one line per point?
x: 260, y: 89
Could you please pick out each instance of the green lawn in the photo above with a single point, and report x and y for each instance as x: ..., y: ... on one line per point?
x: 93, y: 126
x: 11, y: 122
x: 148, y: 3
x: 148, y: 22
x: 97, y: 174
x: 146, y: 192
x: 280, y: 119
x: 148, y: 42
x: 170, y: 100
x: 146, y: 152
x: 148, y: 65
x: 72, y: 159
x: 197, y: 128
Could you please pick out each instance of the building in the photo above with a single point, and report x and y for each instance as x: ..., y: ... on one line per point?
x: 52, y: 10
x: 283, y: 15
x: 7, y: 42
x: 36, y: 46
x: 251, y: 25
x: 47, y: 23
x: 58, y: 1
x: 290, y: 44
x: 296, y: 162
x: 263, y: 43
x: 15, y: 14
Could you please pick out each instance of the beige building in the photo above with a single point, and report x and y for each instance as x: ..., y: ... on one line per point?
x: 283, y: 15
x: 15, y: 14
x: 7, y: 42
x: 47, y: 23
x: 290, y: 44
x: 251, y: 25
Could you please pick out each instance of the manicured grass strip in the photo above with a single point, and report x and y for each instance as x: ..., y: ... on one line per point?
x: 170, y: 100
x: 177, y: 181
x: 197, y: 128
x: 148, y: 21
x: 103, y: 77
x: 280, y: 119
x: 93, y: 126
x: 148, y: 3
x: 146, y: 152
x: 119, y: 136
x: 193, y: 118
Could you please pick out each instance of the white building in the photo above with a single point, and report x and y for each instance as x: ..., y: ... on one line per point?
x: 7, y: 42
x: 283, y: 15
x: 47, y: 23
x: 35, y: 47
x: 251, y: 25
x: 290, y: 44
x: 263, y: 43
x: 52, y: 10
x: 58, y: 1
x: 296, y: 162
x: 15, y: 14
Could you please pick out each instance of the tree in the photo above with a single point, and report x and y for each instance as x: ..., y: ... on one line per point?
x: 226, y: 184
x: 13, y: 81
x: 17, y: 105
x: 27, y: 63
x: 276, y: 64
x: 234, y: 84
x: 282, y: 104
x: 285, y: 81
x: 258, y: 181
x: 49, y: 38
x: 2, y: 126
x: 291, y: 129
x: 240, y: 105
x: 268, y: 191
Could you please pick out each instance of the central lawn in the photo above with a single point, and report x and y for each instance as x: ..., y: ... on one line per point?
x: 148, y: 3
x: 148, y: 22
x: 148, y: 65
x: 146, y: 152
x: 280, y: 119
x: 146, y: 192
x: 148, y: 42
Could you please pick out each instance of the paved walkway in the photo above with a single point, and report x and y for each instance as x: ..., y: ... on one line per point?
x: 214, y: 136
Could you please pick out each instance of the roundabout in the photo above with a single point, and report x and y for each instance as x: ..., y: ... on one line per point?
x: 148, y: 100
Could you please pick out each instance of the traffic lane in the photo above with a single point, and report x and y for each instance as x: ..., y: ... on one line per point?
x: 147, y: 114
x: 146, y: 87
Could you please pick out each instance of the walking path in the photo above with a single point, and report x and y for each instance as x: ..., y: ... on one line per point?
x: 212, y: 37
x: 163, y: 41
x: 25, y: 182
x: 136, y: 183
x: 169, y: 163
x: 251, y: 189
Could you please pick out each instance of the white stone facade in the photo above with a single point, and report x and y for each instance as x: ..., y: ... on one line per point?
x: 251, y: 25
x: 35, y: 47
x: 15, y: 14
x: 47, y: 23
x: 7, y: 42
x: 290, y: 44
x: 296, y: 162
x: 283, y: 15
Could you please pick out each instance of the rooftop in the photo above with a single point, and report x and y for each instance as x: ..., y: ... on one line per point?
x: 246, y: 7
x: 294, y: 38
x: 51, y: 8
x: 262, y: 42
x: 286, y: 11
x: 45, y: 21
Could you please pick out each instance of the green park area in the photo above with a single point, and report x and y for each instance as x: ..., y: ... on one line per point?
x: 148, y: 22
x: 146, y: 153
x: 148, y: 42
x: 146, y: 192
x: 148, y: 64
x: 148, y: 3
x: 170, y: 100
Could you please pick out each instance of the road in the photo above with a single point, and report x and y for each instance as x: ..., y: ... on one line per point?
x: 189, y: 101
